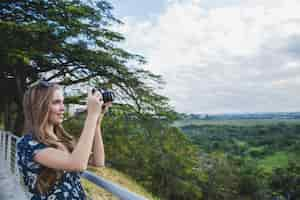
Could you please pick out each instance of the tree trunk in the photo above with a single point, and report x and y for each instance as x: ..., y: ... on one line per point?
x: 18, y: 127
x: 7, y: 114
x: 20, y: 84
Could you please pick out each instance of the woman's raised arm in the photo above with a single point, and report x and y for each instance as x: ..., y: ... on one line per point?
x: 78, y: 159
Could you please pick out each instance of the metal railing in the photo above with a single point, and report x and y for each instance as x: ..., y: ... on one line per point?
x: 8, y: 156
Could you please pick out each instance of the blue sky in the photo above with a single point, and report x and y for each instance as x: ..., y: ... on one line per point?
x: 138, y: 9
x: 144, y: 9
x: 219, y: 56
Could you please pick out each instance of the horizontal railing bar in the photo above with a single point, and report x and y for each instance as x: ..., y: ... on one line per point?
x: 115, y: 189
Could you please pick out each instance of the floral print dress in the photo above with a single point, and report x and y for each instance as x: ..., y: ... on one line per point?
x: 67, y: 188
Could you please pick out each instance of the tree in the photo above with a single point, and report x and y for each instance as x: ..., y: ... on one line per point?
x: 222, y: 181
x: 286, y: 181
x: 70, y: 42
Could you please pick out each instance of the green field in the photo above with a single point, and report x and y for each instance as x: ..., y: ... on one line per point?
x: 277, y: 160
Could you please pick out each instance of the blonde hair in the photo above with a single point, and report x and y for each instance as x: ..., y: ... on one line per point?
x: 36, y: 102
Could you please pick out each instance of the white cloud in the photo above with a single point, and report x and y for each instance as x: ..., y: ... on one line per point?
x: 224, y: 59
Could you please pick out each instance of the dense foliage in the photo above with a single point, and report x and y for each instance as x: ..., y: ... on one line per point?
x: 257, y: 162
x: 70, y: 42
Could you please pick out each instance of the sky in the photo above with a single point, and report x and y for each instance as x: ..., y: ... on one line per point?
x: 218, y: 56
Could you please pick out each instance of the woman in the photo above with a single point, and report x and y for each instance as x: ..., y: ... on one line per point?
x: 49, y: 159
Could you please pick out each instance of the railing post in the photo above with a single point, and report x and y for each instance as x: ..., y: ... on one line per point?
x: 13, y: 149
x: 2, y: 145
x: 8, y: 151
x: 6, y: 146
x: 16, y: 159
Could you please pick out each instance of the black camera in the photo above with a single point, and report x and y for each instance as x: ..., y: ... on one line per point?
x: 108, y: 96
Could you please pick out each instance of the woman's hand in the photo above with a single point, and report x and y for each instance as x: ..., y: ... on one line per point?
x: 104, y: 109
x: 94, y: 103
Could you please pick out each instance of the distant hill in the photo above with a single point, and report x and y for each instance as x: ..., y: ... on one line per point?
x: 235, y: 116
x: 237, y: 119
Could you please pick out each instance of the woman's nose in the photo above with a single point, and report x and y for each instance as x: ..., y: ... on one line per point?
x: 62, y: 107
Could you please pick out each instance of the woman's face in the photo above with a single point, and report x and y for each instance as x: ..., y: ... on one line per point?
x: 57, y: 108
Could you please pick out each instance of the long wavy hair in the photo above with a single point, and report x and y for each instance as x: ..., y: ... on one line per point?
x: 36, y: 104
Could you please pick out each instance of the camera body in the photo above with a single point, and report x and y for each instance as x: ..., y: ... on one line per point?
x: 107, y: 96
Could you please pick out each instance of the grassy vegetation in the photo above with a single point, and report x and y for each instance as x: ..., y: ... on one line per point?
x: 279, y: 159
x: 117, y: 177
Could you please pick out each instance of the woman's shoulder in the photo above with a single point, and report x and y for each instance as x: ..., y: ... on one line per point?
x: 28, y: 141
x: 26, y: 136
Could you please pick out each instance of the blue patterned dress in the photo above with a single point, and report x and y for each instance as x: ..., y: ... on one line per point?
x: 67, y: 188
